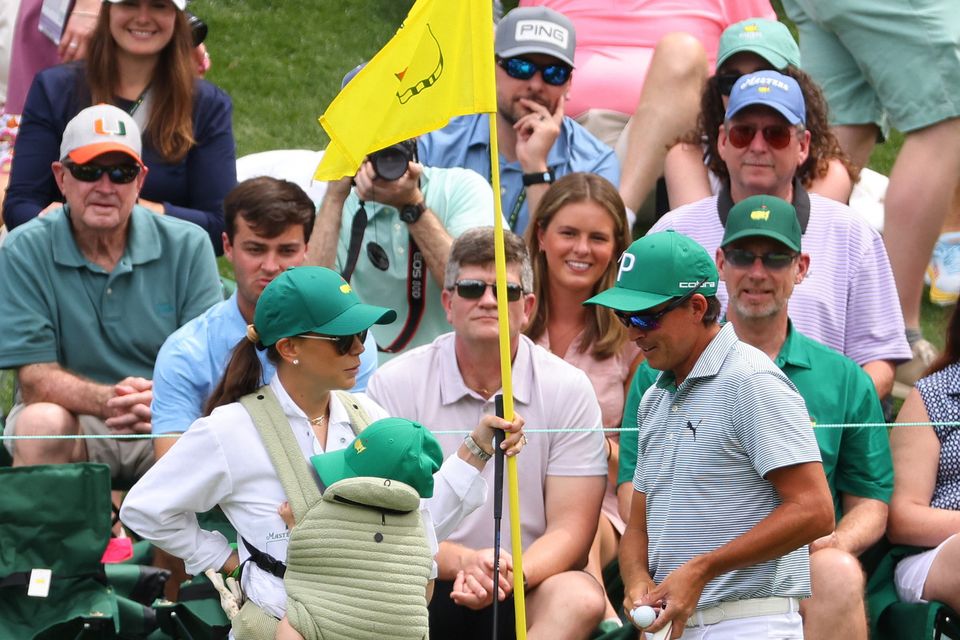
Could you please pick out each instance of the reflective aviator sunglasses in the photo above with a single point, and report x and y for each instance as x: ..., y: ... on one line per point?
x: 474, y: 289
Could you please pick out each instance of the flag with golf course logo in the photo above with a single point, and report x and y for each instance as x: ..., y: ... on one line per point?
x: 437, y: 66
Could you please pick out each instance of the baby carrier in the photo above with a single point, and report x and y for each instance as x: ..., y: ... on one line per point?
x: 358, y: 561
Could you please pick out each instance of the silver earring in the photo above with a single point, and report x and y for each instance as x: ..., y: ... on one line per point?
x: 296, y: 361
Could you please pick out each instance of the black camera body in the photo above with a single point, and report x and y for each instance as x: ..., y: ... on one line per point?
x: 391, y: 163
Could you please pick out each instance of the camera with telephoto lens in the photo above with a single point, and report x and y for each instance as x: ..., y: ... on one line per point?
x: 391, y: 163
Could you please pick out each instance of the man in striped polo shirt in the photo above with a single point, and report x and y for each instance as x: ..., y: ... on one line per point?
x: 849, y: 300
x: 729, y: 488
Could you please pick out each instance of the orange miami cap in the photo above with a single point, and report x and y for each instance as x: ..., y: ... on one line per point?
x: 97, y: 130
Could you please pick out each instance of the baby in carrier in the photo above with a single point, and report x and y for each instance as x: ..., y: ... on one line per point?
x: 359, y: 560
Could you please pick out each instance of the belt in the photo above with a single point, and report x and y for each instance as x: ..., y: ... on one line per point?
x: 743, y: 609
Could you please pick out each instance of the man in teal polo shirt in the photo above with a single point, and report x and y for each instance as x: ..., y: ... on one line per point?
x: 90, y: 292
x: 760, y: 261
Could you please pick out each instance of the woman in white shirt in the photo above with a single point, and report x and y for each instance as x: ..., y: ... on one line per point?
x: 312, y: 325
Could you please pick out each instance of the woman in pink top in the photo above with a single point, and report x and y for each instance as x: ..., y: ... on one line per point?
x: 575, y: 237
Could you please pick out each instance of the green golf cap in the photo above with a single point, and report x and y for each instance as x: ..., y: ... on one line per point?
x: 313, y: 300
x: 769, y: 39
x: 391, y: 448
x: 766, y: 216
x: 657, y: 268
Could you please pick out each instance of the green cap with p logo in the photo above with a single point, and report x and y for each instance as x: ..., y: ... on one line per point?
x: 657, y: 268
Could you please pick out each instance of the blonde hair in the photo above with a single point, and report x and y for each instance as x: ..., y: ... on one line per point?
x: 603, y: 334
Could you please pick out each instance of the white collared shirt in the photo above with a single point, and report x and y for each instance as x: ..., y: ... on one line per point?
x: 221, y: 460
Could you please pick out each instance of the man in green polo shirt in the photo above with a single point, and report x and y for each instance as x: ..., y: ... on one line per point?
x: 90, y: 292
x: 761, y: 262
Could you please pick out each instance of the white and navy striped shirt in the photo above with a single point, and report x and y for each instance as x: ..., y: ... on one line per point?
x: 848, y: 300
x: 704, y: 449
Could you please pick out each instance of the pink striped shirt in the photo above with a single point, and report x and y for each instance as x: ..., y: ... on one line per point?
x: 848, y: 301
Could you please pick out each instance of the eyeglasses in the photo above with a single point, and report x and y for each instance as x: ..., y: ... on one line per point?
x: 773, y: 260
x: 343, y: 343
x: 474, y: 289
x: 776, y: 135
x: 651, y: 321
x: 554, y: 73
x: 118, y: 173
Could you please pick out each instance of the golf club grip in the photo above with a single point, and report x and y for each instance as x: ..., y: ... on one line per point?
x: 498, y: 462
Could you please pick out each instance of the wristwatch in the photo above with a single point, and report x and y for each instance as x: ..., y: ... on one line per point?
x: 541, y: 177
x: 410, y: 213
x: 475, y: 449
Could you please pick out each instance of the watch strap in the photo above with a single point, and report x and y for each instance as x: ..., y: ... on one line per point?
x: 540, y: 177
x: 475, y: 449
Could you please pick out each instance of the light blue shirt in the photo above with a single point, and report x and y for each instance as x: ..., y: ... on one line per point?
x: 465, y: 142
x: 193, y: 359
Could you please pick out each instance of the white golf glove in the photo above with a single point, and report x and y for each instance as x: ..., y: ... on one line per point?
x: 230, y: 596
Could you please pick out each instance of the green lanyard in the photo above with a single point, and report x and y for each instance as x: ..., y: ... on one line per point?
x: 512, y: 220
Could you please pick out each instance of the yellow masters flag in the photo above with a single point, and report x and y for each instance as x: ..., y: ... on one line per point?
x: 437, y: 66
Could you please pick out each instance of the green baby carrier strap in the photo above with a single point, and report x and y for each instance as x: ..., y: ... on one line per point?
x: 295, y: 476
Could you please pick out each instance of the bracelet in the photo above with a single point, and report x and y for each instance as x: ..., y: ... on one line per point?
x: 475, y: 449
x: 85, y: 14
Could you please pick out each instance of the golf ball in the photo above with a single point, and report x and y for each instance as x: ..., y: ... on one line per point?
x: 643, y: 616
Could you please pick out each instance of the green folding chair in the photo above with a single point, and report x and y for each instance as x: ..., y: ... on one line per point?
x: 55, y: 517
x: 891, y: 619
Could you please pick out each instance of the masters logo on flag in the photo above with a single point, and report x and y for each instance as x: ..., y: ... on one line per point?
x: 436, y: 67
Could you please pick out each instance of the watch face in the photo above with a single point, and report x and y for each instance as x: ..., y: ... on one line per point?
x: 410, y: 213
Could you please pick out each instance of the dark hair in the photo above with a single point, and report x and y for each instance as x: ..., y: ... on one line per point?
x: 824, y: 145
x: 169, y: 128
x: 243, y: 375
x: 475, y: 247
x: 269, y: 206
x: 712, y: 313
x: 951, y: 350
x: 603, y: 334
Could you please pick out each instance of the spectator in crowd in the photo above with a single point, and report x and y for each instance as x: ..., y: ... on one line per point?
x: 911, y: 88
x: 561, y: 476
x: 574, y: 238
x: 641, y: 68
x: 311, y: 323
x: 388, y: 230
x: 186, y: 122
x: 91, y: 291
x: 694, y: 169
x: 848, y: 301
x: 267, y: 224
x: 760, y: 261
x: 728, y: 489
x: 925, y: 510
x: 537, y: 142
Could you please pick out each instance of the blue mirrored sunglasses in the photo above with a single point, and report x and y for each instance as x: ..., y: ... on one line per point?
x: 554, y: 73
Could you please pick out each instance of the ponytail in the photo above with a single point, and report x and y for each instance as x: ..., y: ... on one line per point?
x: 243, y: 375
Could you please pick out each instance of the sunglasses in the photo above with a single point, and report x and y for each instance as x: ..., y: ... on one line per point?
x: 773, y: 260
x: 776, y: 135
x: 474, y: 289
x: 726, y: 82
x: 554, y: 74
x: 651, y: 321
x: 343, y: 343
x: 118, y: 173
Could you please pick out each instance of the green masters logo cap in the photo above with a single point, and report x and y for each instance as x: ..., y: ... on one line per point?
x: 658, y: 268
x: 313, y: 300
x: 392, y: 448
x: 766, y: 216
x: 769, y: 39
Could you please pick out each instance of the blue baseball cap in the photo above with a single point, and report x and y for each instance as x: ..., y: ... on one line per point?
x: 769, y: 89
